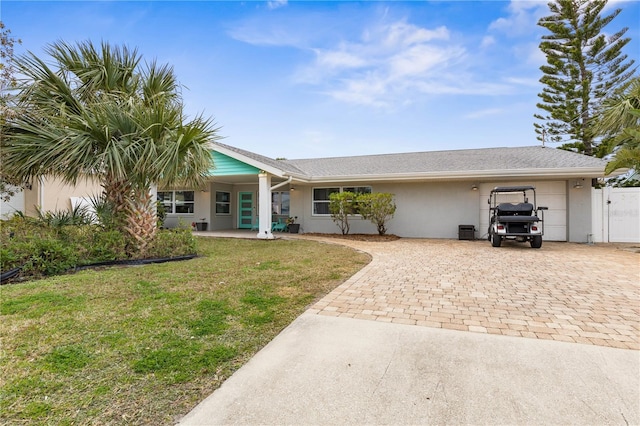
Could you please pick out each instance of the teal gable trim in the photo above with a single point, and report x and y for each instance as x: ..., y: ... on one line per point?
x: 223, y: 165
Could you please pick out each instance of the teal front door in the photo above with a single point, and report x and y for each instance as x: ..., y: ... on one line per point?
x: 245, y: 210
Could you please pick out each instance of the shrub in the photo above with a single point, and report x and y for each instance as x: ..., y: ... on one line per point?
x: 378, y: 207
x: 49, y: 257
x: 105, y: 245
x: 341, y: 205
x: 41, y: 248
x: 79, y: 215
x: 172, y: 243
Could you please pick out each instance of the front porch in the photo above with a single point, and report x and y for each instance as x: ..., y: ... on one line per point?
x: 243, y: 198
x: 242, y: 234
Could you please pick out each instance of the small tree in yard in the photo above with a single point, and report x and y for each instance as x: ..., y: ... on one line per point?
x: 377, y: 207
x: 341, y: 205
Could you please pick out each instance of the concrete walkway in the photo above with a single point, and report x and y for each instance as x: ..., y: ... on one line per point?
x: 454, y: 332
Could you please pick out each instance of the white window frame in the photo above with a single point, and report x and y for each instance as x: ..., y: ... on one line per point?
x: 355, y: 189
x: 173, y: 203
x: 223, y: 203
x: 276, y: 203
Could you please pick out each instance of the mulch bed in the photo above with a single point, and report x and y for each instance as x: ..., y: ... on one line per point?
x: 358, y: 237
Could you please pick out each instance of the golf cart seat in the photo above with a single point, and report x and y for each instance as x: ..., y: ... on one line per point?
x: 520, y: 212
x: 515, y: 209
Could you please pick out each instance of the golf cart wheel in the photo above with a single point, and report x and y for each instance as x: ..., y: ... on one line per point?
x: 536, y: 242
x: 496, y: 240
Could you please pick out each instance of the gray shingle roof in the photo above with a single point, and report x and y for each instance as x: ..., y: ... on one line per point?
x: 468, y: 160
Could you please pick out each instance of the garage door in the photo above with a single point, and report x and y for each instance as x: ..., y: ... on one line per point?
x: 549, y: 194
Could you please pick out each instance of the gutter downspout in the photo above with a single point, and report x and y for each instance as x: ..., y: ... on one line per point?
x: 41, y: 193
x: 282, y: 183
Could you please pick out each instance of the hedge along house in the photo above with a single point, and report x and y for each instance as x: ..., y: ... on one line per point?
x: 435, y: 192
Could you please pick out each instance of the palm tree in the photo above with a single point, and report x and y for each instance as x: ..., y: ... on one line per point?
x: 100, y: 114
x: 620, y: 123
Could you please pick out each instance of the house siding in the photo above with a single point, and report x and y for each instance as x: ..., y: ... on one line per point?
x: 56, y: 195
x: 437, y: 209
x: 579, y: 212
x: 227, y: 166
x: 424, y: 210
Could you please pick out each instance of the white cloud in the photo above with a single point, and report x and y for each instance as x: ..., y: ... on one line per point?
x: 487, y: 41
x: 341, y: 58
x: 275, y: 4
x: 522, y: 18
x: 530, y: 54
x: 389, y: 65
x: 484, y: 113
x: 531, y: 82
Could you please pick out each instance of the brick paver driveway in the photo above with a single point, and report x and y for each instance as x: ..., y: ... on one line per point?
x: 568, y: 292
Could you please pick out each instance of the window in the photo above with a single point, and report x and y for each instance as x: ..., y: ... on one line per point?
x: 223, y: 202
x: 321, y: 197
x: 280, y: 203
x: 177, y: 201
x: 358, y: 190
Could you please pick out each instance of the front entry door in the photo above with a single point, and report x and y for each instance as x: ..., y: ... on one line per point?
x: 245, y: 210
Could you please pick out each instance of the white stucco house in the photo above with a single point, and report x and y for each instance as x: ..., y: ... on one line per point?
x: 435, y: 192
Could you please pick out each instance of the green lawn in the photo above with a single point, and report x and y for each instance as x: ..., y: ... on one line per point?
x: 143, y: 345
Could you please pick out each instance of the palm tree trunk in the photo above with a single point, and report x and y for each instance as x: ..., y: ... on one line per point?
x: 141, y: 221
x: 117, y: 193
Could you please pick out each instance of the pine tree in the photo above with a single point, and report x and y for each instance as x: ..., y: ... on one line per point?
x: 584, y: 67
x: 9, y: 185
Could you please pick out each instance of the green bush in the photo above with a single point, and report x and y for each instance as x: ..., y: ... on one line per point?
x: 378, y: 207
x: 341, y: 205
x: 172, y: 243
x: 49, y: 257
x: 43, y: 248
x: 107, y: 245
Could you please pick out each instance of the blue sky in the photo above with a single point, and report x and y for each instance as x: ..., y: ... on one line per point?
x: 304, y: 79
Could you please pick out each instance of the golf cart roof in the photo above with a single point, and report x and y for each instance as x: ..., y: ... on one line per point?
x: 512, y: 188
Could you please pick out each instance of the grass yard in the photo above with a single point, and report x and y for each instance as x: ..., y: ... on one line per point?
x: 144, y: 345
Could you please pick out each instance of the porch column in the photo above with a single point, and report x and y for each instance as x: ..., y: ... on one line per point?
x: 264, y: 200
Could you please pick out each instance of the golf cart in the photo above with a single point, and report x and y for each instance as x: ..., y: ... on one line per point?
x: 512, y: 219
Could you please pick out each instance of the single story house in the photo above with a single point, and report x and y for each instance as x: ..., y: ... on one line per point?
x: 435, y: 192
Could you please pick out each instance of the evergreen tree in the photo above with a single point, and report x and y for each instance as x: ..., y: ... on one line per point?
x: 583, y: 68
x: 9, y: 185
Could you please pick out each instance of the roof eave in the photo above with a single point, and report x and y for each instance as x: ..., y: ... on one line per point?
x: 617, y: 172
x: 574, y: 172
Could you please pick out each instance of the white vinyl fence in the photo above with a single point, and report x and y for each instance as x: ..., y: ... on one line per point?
x: 615, y: 215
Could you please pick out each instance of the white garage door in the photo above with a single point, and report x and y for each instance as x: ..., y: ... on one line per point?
x: 548, y: 194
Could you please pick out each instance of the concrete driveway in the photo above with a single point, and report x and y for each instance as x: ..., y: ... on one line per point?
x: 451, y: 332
